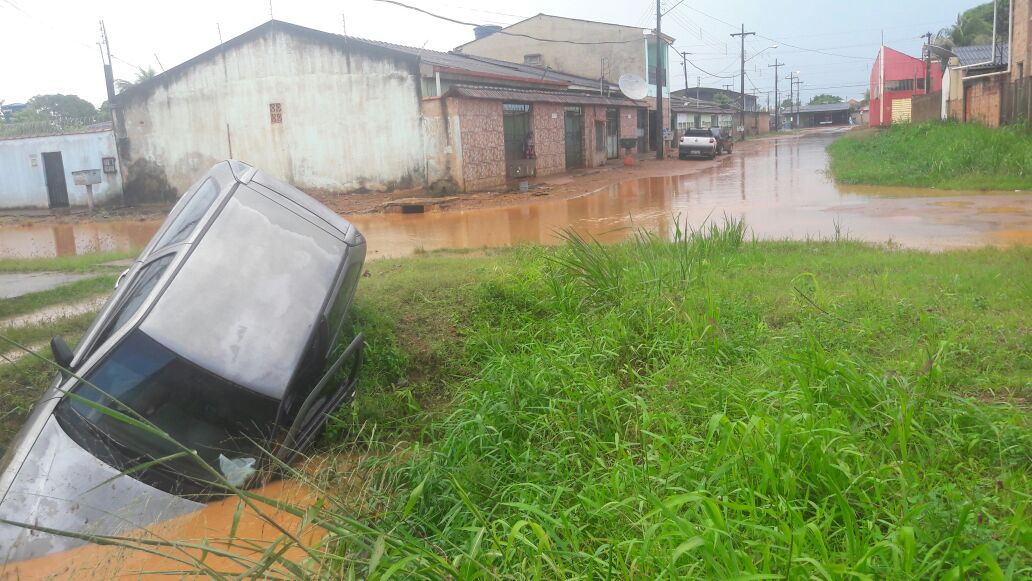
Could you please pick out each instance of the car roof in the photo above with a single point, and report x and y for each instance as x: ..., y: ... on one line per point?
x: 232, y: 306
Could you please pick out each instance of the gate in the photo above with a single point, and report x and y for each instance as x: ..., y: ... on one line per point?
x: 612, y: 134
x: 574, y: 118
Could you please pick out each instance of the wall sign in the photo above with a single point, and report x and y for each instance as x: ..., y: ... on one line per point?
x: 108, y: 163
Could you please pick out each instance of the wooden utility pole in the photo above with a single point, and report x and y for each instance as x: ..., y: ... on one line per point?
x: 791, y: 95
x: 660, y: 145
x: 743, y: 34
x: 928, y: 60
x: 777, y: 98
x: 799, y: 98
x: 684, y: 64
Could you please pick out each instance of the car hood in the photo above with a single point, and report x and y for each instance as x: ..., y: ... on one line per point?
x: 61, y: 486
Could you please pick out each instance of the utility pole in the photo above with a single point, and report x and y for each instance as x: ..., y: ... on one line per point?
x: 660, y: 145
x: 791, y: 94
x: 743, y: 34
x: 684, y: 63
x: 777, y: 98
x: 928, y: 60
x: 799, y: 98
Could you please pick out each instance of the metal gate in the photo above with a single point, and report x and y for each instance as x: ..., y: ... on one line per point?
x: 574, y: 118
x: 612, y: 134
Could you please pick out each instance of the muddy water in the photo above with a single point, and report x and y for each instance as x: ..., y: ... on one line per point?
x: 48, y: 240
x: 779, y: 187
x: 210, y: 525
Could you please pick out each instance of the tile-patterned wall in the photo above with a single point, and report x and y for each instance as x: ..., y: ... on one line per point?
x: 483, y: 143
x: 549, y: 138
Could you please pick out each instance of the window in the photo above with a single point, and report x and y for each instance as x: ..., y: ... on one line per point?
x: 600, y: 136
x: 1021, y: 70
x: 534, y: 60
x: 146, y: 279
x: 904, y: 85
x: 185, y: 222
x: 197, y: 409
x: 276, y: 112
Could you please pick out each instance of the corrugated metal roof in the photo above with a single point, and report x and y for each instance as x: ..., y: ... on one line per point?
x: 488, y: 66
x: 502, y: 94
x: 982, y: 53
x: 824, y: 108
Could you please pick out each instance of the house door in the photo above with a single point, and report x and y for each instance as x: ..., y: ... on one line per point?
x: 574, y: 117
x: 653, y: 130
x: 612, y: 134
x: 57, y: 188
x: 642, y: 119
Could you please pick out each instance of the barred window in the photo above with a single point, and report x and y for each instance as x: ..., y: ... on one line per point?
x: 276, y: 112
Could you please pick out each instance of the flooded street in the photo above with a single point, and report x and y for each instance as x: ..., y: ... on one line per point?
x: 778, y: 186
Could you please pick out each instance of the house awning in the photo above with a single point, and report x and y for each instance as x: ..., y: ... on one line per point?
x: 565, y: 98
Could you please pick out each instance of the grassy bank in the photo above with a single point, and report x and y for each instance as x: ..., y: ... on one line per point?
x: 936, y: 155
x: 719, y: 409
x: 711, y: 408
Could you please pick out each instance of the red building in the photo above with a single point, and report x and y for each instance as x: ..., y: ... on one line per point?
x: 895, y: 78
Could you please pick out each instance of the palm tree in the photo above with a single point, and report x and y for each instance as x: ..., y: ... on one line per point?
x: 142, y: 74
x: 975, y: 26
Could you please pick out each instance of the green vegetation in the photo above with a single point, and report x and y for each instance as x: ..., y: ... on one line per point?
x: 707, y: 408
x: 975, y: 26
x: 71, y: 292
x: 949, y: 156
x: 80, y: 263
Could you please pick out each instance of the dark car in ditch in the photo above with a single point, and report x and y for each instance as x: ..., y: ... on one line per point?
x: 223, y: 347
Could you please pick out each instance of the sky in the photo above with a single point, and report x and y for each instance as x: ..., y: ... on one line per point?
x: 50, y: 46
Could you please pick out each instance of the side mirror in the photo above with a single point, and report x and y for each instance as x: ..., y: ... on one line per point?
x: 62, y: 353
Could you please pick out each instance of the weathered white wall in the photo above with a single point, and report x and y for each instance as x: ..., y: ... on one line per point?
x: 351, y: 119
x: 23, y: 183
x: 576, y: 59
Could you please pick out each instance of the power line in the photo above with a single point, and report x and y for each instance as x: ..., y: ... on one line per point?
x: 463, y: 23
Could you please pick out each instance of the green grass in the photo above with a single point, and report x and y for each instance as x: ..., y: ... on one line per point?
x: 949, y: 156
x: 71, y: 292
x: 80, y: 263
x: 709, y: 408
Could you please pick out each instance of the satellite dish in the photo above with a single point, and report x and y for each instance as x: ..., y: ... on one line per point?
x: 633, y: 87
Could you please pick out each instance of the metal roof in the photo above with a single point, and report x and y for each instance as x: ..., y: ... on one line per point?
x: 982, y: 55
x: 502, y: 94
x: 478, y: 65
x: 824, y: 108
x: 697, y: 106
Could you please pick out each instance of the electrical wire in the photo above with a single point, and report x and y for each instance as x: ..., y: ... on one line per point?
x: 454, y: 21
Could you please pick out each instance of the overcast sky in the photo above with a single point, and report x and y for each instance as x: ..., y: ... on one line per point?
x: 50, y: 46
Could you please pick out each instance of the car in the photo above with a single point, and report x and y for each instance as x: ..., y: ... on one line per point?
x: 706, y: 142
x: 220, y: 354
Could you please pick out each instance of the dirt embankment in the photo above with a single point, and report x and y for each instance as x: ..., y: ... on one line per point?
x: 562, y: 186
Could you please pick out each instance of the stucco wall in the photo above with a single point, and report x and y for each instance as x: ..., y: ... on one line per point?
x: 582, y: 60
x: 22, y: 180
x: 482, y: 141
x: 549, y: 138
x: 350, y: 118
x: 441, y: 126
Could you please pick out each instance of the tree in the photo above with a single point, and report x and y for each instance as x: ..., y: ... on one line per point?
x: 787, y: 104
x: 825, y: 99
x: 55, y: 107
x: 723, y: 100
x: 975, y: 26
x: 141, y: 76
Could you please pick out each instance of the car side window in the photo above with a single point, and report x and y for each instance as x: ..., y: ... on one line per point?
x: 146, y: 280
x: 183, y: 225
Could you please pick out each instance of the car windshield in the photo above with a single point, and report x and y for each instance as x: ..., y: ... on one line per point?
x: 226, y: 425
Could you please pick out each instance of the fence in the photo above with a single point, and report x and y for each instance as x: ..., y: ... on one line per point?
x: 1016, y: 102
x: 926, y: 107
x: 55, y: 126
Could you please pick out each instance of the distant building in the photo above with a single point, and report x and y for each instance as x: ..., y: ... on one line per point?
x: 824, y: 115
x: 7, y: 110
x: 338, y: 114
x: 590, y: 49
x: 714, y: 95
x: 973, y: 82
x: 895, y: 78
x: 37, y: 163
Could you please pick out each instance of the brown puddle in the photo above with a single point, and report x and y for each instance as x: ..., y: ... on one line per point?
x: 780, y: 187
x: 49, y: 240
x: 210, y: 525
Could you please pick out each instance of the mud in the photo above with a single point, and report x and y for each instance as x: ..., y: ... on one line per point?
x: 54, y: 312
x: 208, y: 526
x: 779, y: 186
